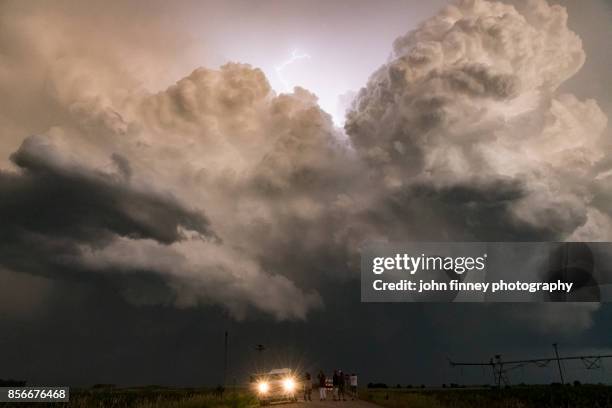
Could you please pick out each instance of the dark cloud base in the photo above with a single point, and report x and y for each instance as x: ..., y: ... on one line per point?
x: 54, y: 207
x: 89, y: 334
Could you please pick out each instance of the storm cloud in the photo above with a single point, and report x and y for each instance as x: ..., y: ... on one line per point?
x: 470, y: 97
x: 231, y: 194
x: 55, y: 197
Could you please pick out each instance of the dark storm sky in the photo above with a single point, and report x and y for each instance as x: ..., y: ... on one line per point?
x: 133, y: 236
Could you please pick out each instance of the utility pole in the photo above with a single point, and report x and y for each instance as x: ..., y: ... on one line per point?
x: 260, y: 348
x: 559, y: 363
x: 498, y: 360
x: 225, y: 360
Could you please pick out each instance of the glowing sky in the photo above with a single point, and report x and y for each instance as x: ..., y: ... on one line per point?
x: 345, y: 41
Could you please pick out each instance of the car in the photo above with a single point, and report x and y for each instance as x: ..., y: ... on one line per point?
x: 278, y: 385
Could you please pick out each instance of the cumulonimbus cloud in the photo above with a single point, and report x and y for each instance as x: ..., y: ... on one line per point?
x: 469, y: 98
x: 238, y: 196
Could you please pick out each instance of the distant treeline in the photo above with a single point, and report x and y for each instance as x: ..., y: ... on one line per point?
x: 454, y: 385
x: 383, y: 385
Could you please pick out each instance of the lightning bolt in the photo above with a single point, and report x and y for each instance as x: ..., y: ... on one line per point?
x: 295, y: 56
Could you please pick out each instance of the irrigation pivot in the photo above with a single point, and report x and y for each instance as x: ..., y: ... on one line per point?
x: 500, y: 368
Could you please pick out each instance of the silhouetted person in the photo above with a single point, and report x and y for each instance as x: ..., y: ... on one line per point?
x: 341, y: 395
x: 307, y: 387
x: 335, y: 382
x: 322, y: 386
x: 353, y: 380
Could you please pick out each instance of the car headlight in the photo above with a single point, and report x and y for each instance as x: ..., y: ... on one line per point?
x: 289, y: 384
x: 263, y: 387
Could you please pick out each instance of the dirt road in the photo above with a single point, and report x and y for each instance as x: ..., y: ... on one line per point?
x: 315, y: 403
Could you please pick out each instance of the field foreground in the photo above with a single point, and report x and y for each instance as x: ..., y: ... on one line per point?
x: 160, y: 397
x: 150, y: 397
x: 585, y: 396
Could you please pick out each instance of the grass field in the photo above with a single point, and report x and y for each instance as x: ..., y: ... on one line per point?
x: 151, y: 397
x: 584, y: 396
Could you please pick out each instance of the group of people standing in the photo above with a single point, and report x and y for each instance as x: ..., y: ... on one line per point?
x: 340, y: 381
